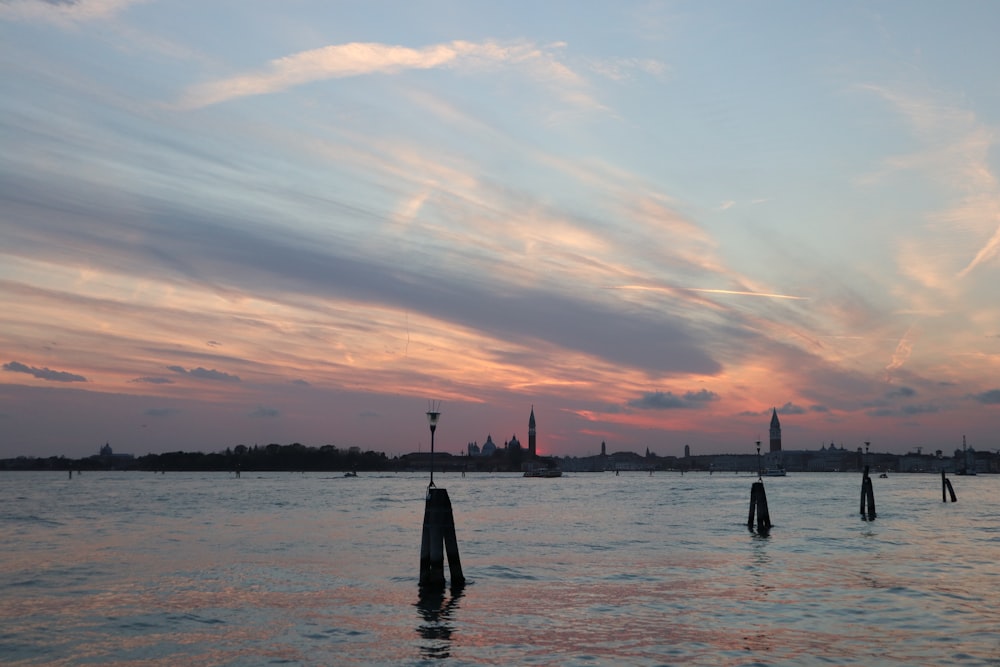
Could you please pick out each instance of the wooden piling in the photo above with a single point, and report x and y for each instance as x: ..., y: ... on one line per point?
x: 867, y: 497
x: 451, y: 545
x: 758, y: 506
x: 438, y: 537
x: 946, y: 486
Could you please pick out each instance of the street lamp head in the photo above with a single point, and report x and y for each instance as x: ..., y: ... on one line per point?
x: 432, y: 418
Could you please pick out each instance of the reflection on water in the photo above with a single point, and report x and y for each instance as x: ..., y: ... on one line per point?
x: 435, y: 610
x: 642, y: 570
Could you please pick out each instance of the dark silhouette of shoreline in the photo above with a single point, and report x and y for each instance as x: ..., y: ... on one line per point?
x: 301, y: 458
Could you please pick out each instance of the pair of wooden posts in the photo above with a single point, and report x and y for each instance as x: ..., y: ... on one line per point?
x: 867, y: 497
x: 758, y: 506
x: 758, y: 502
x: 439, y: 538
x: 946, y: 487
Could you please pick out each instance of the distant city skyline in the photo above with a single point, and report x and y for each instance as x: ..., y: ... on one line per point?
x: 655, y: 223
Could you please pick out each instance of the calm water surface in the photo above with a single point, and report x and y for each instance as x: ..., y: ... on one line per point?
x: 589, y: 569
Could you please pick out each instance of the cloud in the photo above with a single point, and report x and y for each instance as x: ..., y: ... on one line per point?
x: 991, y: 397
x: 153, y: 380
x: 901, y: 392
x: 790, y: 409
x: 265, y: 413
x: 43, y: 373
x: 212, y: 374
x: 620, y: 69
x: 366, y: 58
x: 701, y: 396
x: 919, y: 409
x: 206, y: 374
x: 901, y: 354
x: 302, y: 383
x: 213, y: 250
x: 956, y: 153
x: 659, y: 400
x: 61, y: 11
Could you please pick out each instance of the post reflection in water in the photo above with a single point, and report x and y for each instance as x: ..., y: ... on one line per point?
x: 436, y: 626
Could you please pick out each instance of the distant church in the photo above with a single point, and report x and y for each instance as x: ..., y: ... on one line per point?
x: 775, y: 431
x: 489, y: 448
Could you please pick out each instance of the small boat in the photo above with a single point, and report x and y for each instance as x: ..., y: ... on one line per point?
x: 883, y: 476
x: 543, y: 472
x: 350, y: 474
x: 774, y: 472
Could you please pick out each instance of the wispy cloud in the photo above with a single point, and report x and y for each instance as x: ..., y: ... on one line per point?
x: 708, y: 290
x: 153, y: 380
x: 205, y: 374
x: 61, y: 11
x: 367, y: 58
x: 956, y: 150
x: 904, y: 348
x: 43, y: 373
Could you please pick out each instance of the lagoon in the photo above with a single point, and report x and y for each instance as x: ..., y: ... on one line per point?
x: 137, y: 568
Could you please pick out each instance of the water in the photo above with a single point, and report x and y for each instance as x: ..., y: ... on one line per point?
x: 589, y: 569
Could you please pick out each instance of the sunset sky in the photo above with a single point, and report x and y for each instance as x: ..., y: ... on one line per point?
x: 239, y: 222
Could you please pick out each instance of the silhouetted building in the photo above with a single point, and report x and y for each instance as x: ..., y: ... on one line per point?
x: 775, y: 431
x: 531, y: 434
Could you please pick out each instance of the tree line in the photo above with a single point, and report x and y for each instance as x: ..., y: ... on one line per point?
x: 293, y: 457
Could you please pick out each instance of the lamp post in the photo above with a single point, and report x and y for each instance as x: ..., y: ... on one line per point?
x: 759, y: 469
x: 432, y: 418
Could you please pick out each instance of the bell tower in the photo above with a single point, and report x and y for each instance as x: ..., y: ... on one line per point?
x: 775, y: 431
x: 531, y: 433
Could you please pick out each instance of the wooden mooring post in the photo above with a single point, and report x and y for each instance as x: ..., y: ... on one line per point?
x: 867, y: 497
x: 946, y: 487
x: 439, y: 538
x: 758, y: 506
x: 758, y: 501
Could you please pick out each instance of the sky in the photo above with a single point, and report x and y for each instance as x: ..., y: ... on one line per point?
x: 246, y: 222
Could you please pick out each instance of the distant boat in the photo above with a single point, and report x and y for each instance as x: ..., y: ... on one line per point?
x: 543, y: 472
x: 350, y: 474
x: 774, y: 472
x: 883, y: 476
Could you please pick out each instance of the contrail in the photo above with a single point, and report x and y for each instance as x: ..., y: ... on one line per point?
x: 711, y: 291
